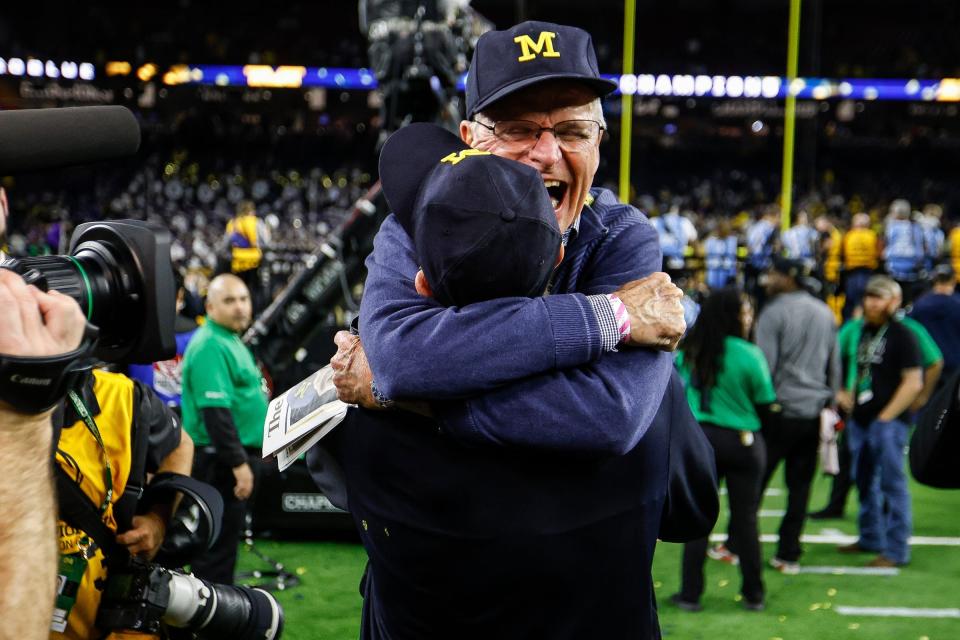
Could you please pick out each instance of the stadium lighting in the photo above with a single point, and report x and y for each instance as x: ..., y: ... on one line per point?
x: 118, y: 68
x: 643, y: 84
x: 16, y: 67
x: 69, y: 70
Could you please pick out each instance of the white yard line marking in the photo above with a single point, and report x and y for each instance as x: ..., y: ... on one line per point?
x: 921, y: 541
x: 771, y: 513
x: 769, y: 492
x: 897, y: 612
x: 852, y: 571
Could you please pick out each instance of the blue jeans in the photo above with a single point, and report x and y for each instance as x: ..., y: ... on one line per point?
x: 877, y: 468
x: 856, y: 285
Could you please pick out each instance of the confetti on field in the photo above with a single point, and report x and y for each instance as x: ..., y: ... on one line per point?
x: 738, y: 597
x: 782, y: 619
x: 723, y: 583
x: 831, y: 592
x: 657, y: 584
x: 301, y: 571
x: 853, y: 626
x: 815, y: 606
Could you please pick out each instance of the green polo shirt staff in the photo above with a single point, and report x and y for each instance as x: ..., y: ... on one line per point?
x: 220, y: 372
x: 746, y: 383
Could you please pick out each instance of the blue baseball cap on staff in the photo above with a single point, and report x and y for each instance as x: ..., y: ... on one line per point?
x: 531, y: 52
x: 482, y: 225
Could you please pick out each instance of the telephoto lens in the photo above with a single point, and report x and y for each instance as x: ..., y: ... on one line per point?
x: 222, y: 611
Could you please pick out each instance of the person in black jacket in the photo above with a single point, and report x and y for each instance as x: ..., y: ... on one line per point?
x: 478, y: 542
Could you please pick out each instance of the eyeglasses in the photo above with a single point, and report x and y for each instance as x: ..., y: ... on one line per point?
x: 520, y: 135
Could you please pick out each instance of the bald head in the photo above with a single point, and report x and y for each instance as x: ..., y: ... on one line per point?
x: 228, y: 302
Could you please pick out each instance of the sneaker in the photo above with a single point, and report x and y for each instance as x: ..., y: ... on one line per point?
x: 884, y: 562
x: 826, y: 514
x: 759, y: 605
x: 855, y: 547
x: 685, y: 605
x: 721, y: 553
x: 785, y: 567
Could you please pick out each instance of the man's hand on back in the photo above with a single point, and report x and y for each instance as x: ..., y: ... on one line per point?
x: 351, y: 372
x: 656, y: 315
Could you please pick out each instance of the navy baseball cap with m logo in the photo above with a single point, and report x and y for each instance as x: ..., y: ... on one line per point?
x: 531, y: 52
x: 482, y: 225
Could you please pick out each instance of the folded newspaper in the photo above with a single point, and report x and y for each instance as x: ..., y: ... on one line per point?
x: 301, y: 417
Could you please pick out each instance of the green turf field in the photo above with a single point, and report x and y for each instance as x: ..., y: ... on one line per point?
x: 326, y: 604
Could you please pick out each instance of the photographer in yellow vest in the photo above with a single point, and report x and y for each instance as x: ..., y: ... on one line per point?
x: 113, y: 430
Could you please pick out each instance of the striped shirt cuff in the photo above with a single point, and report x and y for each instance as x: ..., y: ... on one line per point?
x: 613, y: 319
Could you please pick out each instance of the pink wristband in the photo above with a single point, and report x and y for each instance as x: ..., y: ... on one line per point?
x: 623, y: 318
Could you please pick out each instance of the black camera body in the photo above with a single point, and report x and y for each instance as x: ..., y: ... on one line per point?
x: 143, y: 596
x: 120, y: 274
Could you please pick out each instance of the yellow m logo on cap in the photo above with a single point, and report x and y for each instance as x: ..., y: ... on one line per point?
x: 543, y: 46
x: 455, y: 158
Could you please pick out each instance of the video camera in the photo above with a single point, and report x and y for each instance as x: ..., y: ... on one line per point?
x: 121, y: 275
x: 119, y: 272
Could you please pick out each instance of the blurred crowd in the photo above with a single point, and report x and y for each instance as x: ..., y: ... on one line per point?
x: 297, y: 210
x: 840, y: 241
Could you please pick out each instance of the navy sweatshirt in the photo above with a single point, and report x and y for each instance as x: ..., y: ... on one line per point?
x: 521, y: 371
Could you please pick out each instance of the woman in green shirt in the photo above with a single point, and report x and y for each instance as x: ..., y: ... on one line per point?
x: 728, y: 388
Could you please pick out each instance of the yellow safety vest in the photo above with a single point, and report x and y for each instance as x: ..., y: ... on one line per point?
x: 80, y: 456
x: 860, y: 249
x: 955, y: 251
x: 831, y: 266
x: 244, y: 258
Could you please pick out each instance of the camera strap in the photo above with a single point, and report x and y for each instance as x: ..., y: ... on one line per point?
x: 79, y: 511
x: 35, y: 384
x: 91, y: 426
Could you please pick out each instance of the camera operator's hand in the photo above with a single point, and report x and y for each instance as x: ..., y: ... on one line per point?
x: 243, y: 474
x: 146, y: 536
x: 34, y: 323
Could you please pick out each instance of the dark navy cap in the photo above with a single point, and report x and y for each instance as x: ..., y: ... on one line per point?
x: 795, y: 269
x: 482, y: 225
x: 506, y: 61
x: 943, y: 273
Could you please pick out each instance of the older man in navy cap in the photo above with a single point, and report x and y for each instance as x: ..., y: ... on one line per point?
x: 533, y: 95
x: 470, y: 541
x: 545, y: 375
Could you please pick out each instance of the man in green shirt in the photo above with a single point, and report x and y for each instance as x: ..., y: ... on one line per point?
x: 848, y: 338
x: 224, y: 407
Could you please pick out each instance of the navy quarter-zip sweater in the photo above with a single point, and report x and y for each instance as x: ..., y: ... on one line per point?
x: 530, y: 506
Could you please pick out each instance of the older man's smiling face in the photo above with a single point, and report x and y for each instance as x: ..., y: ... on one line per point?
x: 566, y: 174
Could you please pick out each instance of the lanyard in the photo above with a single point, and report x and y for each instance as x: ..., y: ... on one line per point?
x: 865, y: 356
x: 91, y: 425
